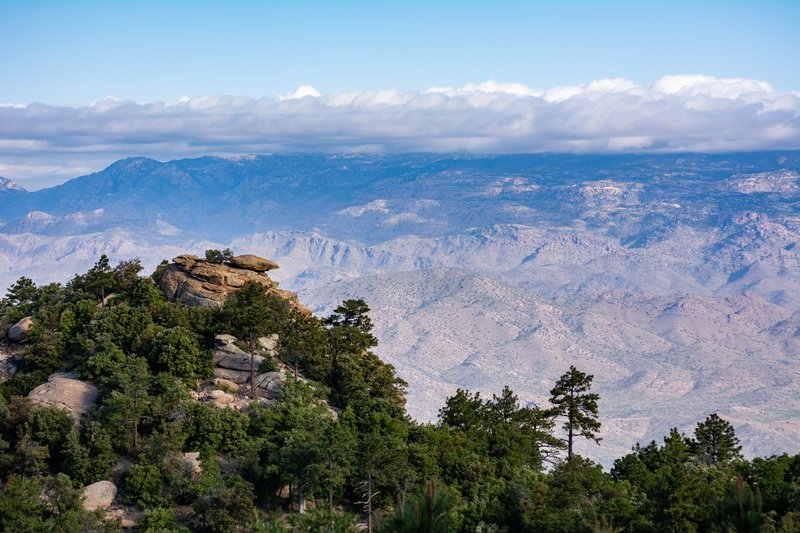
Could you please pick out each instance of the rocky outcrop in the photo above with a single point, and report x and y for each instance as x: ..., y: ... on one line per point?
x: 229, y: 356
x: 220, y: 397
x: 99, y: 496
x: 19, y: 331
x: 232, y: 370
x: 66, y: 392
x: 197, y: 282
x: 240, y: 377
x: 225, y: 385
x: 268, y: 344
x: 253, y: 262
x: 270, y: 384
x: 231, y: 385
x: 192, y: 464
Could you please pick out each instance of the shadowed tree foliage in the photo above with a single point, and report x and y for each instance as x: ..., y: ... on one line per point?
x: 304, y: 346
x: 428, y: 512
x: 177, y: 351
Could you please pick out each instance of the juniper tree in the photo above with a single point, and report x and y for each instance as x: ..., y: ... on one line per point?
x: 573, y: 401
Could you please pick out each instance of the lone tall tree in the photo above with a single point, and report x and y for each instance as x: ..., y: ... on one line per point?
x: 100, y: 279
x: 573, y: 401
x: 716, y: 442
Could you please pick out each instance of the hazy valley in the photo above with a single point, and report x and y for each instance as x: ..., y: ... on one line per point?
x: 674, y: 279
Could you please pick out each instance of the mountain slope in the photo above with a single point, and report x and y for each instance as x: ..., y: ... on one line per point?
x: 674, y: 278
x: 657, y: 361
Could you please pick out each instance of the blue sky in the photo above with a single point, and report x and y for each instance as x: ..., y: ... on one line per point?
x: 83, y: 84
x: 77, y: 52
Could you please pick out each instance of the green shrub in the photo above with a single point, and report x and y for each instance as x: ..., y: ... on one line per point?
x: 219, y: 256
x: 268, y: 365
x: 21, y: 383
x: 177, y: 351
x: 220, y: 429
x: 160, y: 520
x: 144, y: 485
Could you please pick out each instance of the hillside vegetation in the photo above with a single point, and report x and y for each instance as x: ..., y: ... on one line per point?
x: 333, y: 448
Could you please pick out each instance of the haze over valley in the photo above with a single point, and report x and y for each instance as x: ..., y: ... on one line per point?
x: 674, y: 279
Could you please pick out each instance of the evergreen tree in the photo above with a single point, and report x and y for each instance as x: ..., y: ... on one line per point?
x: 100, y: 278
x: 352, y: 314
x: 128, y: 405
x: 573, y: 401
x: 304, y: 345
x: 715, y: 441
x: 351, y: 326
x: 338, y: 449
x: 463, y: 411
x: 177, y: 351
x: 126, y: 274
x: 21, y: 296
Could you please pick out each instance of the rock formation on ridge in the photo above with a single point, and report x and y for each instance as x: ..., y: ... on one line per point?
x: 198, y: 282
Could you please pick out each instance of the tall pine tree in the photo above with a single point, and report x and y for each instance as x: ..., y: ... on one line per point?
x: 573, y: 401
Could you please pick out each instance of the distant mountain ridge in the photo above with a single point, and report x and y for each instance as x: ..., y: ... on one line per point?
x: 425, y: 193
x: 658, y: 273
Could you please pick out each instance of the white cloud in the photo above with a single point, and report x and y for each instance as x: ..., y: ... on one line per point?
x: 301, y: 92
x: 676, y: 113
x: 705, y: 85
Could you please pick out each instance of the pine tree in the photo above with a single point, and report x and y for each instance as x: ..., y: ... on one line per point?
x: 463, y: 411
x: 251, y: 313
x: 100, y: 278
x: 715, y: 441
x: 573, y: 401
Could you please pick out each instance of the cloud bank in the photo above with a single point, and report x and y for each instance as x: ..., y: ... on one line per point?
x: 676, y: 113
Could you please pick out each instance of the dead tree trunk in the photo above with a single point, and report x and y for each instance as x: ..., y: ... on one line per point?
x: 252, y: 347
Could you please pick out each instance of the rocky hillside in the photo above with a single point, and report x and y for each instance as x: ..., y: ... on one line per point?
x: 658, y: 361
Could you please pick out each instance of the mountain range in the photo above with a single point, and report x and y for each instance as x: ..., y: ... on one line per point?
x: 673, y: 278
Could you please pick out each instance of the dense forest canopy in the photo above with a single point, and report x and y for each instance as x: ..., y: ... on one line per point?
x: 335, y: 450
